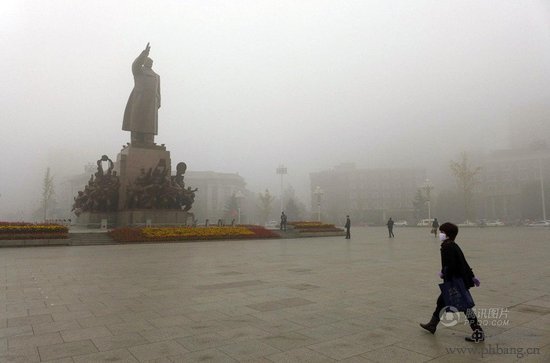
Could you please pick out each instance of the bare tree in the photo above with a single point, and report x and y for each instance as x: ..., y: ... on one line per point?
x: 466, y: 178
x: 48, y: 193
x: 266, y: 205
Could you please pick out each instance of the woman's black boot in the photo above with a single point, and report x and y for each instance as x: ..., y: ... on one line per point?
x: 432, y: 325
x: 478, y: 334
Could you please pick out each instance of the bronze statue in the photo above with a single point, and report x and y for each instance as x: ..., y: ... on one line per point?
x: 157, y: 190
x: 101, y: 193
x: 141, y: 113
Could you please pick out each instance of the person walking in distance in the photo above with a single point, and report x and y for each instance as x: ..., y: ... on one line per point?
x: 348, y: 227
x: 283, y: 222
x: 454, y: 266
x: 435, y: 227
x: 390, y: 228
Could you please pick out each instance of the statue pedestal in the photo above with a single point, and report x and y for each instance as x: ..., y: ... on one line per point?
x: 137, y: 217
x: 93, y: 219
x: 132, y: 159
x: 157, y: 217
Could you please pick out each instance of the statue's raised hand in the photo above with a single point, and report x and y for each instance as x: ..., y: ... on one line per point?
x: 147, y: 49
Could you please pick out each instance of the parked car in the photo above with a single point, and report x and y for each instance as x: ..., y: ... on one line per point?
x: 468, y: 223
x: 425, y: 222
x: 496, y: 223
x: 401, y: 223
x: 540, y: 224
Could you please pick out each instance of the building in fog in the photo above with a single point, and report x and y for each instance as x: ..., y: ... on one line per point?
x: 369, y: 196
x: 215, y: 191
x: 511, y: 183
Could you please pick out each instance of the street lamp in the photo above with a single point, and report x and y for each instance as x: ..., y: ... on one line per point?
x: 542, y: 190
x: 239, y: 197
x: 318, y: 194
x: 281, y: 170
x: 428, y: 188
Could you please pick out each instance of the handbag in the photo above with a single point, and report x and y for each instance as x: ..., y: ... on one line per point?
x: 456, y: 295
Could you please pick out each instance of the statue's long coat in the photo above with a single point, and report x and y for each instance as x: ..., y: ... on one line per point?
x: 141, y: 113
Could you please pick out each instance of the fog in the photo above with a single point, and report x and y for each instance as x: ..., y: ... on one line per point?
x: 247, y: 85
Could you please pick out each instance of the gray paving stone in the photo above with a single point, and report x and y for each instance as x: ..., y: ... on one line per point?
x: 93, y: 321
x: 202, y: 341
x: 114, y: 342
x: 84, y: 333
x: 55, y: 326
x: 331, y: 291
x: 249, y: 349
x: 299, y: 355
x: 395, y: 354
x: 288, y: 340
x: 22, y: 355
x: 209, y: 355
x: 23, y: 341
x: 166, y: 333
x: 63, y: 350
x: 16, y: 330
x: 151, y: 351
x: 119, y: 355
x: 30, y: 320
x: 339, y: 348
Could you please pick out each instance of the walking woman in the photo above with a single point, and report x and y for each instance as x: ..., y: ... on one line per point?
x: 454, y: 265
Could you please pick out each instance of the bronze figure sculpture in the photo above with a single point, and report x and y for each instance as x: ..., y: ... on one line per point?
x: 141, y: 113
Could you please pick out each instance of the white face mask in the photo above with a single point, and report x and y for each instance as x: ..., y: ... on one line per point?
x: 442, y: 236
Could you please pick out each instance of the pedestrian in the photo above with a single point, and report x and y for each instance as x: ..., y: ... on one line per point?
x: 282, y: 225
x: 435, y: 227
x: 454, y: 265
x: 390, y: 228
x: 348, y: 227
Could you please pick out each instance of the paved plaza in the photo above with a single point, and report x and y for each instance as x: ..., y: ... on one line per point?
x: 294, y: 300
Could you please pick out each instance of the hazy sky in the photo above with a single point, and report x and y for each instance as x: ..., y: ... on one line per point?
x: 247, y: 85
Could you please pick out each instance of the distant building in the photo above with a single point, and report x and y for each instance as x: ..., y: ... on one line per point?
x: 367, y: 195
x: 511, y: 183
x: 215, y: 190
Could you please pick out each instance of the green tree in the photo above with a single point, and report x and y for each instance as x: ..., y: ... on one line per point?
x: 265, y: 205
x: 466, y: 178
x: 419, y: 204
x: 48, y: 194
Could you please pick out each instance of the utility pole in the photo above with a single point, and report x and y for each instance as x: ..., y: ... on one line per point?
x: 281, y: 170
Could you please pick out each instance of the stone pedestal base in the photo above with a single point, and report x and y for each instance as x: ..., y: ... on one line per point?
x: 132, y: 159
x: 139, y: 217
x: 94, y: 219
x: 156, y: 217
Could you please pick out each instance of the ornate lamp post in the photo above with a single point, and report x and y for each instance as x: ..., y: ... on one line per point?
x: 318, y: 194
x: 239, y: 196
x: 542, y: 191
x: 428, y: 188
x: 281, y: 170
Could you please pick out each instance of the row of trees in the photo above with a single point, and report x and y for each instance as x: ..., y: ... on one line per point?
x: 265, y: 206
x: 466, y: 177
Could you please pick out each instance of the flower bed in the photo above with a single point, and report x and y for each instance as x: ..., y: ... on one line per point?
x: 312, y: 225
x: 305, y: 227
x: 308, y: 230
x: 22, y: 230
x: 160, y: 234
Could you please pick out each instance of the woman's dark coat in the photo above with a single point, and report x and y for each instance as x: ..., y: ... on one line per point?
x: 453, y: 263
